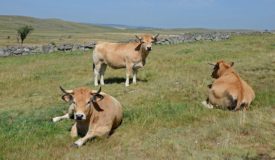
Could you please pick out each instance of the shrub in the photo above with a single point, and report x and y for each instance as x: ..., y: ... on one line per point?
x: 23, y: 32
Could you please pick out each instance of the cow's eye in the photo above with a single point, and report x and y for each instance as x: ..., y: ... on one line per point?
x: 89, y: 102
x: 74, y: 102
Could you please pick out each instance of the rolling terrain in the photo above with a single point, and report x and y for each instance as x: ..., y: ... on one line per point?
x: 59, y: 31
x: 163, y: 115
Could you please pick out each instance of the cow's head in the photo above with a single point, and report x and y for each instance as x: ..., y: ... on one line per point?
x: 146, y: 42
x: 220, y: 67
x: 82, y: 100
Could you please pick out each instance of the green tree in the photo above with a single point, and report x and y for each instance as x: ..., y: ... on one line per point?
x: 23, y: 32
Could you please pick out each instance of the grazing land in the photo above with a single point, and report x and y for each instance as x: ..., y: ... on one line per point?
x: 163, y: 115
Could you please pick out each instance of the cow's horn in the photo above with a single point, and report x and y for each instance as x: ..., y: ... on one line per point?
x: 99, y: 90
x: 66, y: 91
x: 139, y: 38
x: 156, y: 36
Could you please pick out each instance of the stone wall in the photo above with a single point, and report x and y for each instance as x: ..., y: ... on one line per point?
x: 162, y: 40
x: 191, y: 37
x: 44, y: 49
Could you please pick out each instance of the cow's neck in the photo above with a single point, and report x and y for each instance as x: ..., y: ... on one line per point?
x: 83, y: 127
x: 228, y: 71
x: 143, y: 54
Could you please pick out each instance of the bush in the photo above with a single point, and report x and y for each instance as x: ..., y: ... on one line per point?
x: 23, y: 32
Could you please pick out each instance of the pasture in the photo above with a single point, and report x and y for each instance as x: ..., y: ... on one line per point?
x: 163, y: 115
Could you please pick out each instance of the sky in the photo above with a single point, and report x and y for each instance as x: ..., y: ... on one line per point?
x: 214, y: 14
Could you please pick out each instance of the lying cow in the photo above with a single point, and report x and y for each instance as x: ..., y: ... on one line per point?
x: 131, y: 56
x: 96, y: 114
x: 228, y: 89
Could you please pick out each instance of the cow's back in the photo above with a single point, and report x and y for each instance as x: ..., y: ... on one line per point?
x: 232, y: 85
x: 113, y: 54
x: 249, y: 93
x: 111, y: 113
x: 229, y: 84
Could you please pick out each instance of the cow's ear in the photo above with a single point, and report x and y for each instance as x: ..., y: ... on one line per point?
x: 231, y: 64
x: 67, y: 97
x: 67, y: 94
x: 97, y: 96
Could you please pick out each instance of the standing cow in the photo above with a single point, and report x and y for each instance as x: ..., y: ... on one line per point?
x: 131, y: 56
x: 96, y: 114
x: 228, y: 89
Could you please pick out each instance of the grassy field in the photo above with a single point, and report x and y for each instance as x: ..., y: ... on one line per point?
x: 163, y: 115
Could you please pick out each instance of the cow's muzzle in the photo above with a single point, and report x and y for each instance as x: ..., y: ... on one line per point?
x: 79, y: 117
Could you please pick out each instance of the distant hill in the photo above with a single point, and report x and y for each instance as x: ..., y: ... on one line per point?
x: 59, y: 31
x: 8, y: 23
x: 13, y: 22
x: 54, y: 31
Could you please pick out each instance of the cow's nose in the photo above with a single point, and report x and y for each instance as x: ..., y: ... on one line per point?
x: 78, y: 116
x: 149, y: 48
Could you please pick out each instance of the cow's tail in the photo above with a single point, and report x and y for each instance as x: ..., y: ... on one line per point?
x: 93, y: 66
x: 232, y: 101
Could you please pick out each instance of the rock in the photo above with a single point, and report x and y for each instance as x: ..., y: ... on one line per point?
x: 65, y: 47
x: 90, y: 45
x: 4, y: 52
x: 18, y: 51
x: 198, y: 38
x: 37, y: 49
x: 48, y: 48
x: 27, y: 50
x: 76, y: 47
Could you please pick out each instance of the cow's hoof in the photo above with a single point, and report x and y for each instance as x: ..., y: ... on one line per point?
x: 205, y: 104
x: 78, y: 143
x: 55, y: 119
x: 74, y: 145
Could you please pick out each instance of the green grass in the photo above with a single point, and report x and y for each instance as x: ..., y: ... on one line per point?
x: 163, y: 117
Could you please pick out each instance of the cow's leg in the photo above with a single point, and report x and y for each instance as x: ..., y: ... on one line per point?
x: 59, y: 118
x: 102, y: 71
x: 74, y: 131
x: 135, y: 76
x: 128, y: 73
x: 207, y: 104
x: 97, y: 132
x: 96, y: 73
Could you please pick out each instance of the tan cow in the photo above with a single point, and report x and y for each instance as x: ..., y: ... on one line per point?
x: 131, y: 56
x: 228, y: 89
x: 96, y: 114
